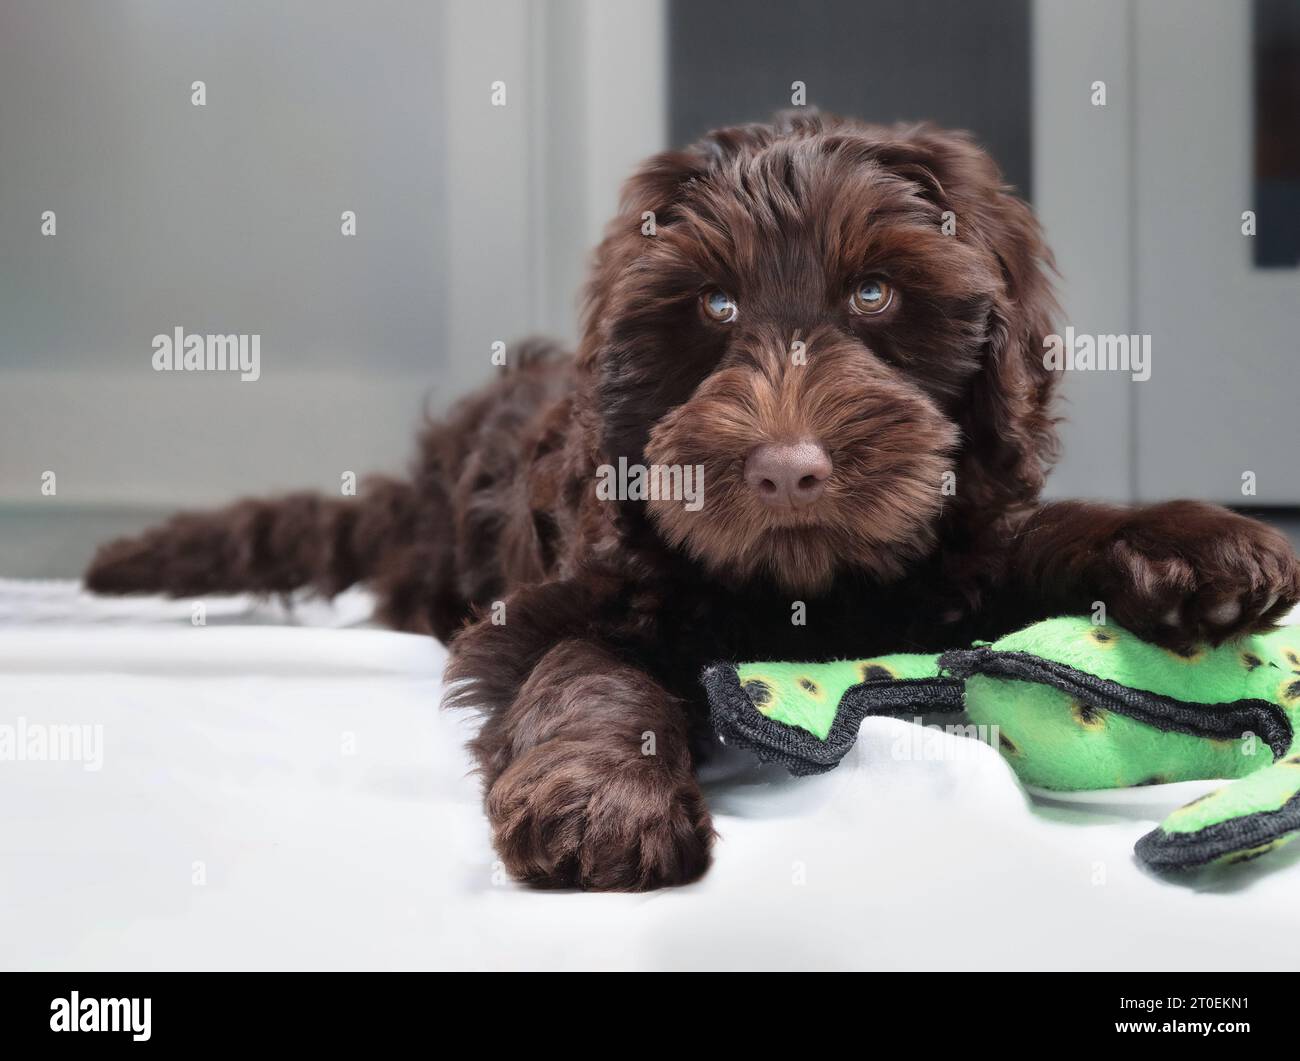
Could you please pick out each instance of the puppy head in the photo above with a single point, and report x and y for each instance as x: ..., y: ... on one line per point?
x: 842, y: 326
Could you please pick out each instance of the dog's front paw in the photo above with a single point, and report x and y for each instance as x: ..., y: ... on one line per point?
x: 574, y: 814
x: 1184, y: 572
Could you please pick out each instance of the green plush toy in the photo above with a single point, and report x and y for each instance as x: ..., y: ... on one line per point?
x: 1072, y: 706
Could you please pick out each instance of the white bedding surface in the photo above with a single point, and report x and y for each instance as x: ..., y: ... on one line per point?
x: 280, y: 791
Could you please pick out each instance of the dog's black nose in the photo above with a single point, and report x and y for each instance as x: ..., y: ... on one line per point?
x: 788, y: 475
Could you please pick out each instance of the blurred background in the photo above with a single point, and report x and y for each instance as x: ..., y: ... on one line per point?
x: 474, y: 221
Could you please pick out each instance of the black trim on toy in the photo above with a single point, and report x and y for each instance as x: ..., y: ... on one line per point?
x: 1217, y: 721
x: 739, y: 723
x: 1159, y: 850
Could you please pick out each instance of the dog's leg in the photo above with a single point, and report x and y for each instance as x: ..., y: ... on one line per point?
x: 1174, y: 573
x: 585, y: 759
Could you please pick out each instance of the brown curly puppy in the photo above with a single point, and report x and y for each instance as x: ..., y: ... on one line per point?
x: 845, y: 401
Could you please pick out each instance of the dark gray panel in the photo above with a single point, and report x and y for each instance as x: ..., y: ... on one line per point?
x: 953, y: 62
x: 1276, y: 58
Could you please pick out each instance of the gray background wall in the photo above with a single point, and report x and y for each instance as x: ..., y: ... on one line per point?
x: 474, y: 222
x: 220, y: 218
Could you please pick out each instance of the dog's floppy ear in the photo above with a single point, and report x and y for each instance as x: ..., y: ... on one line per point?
x: 1008, y: 423
x: 648, y: 199
x: 657, y: 183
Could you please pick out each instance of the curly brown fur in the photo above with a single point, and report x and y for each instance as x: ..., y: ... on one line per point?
x: 587, y: 670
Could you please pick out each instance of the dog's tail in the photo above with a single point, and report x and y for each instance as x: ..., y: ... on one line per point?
x: 263, y: 545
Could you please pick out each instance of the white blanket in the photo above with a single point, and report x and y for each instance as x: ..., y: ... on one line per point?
x: 277, y: 789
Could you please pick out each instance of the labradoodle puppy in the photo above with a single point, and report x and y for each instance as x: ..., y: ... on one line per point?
x: 809, y: 416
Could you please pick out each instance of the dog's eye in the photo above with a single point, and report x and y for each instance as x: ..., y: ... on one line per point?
x: 871, y: 297
x: 719, y: 306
